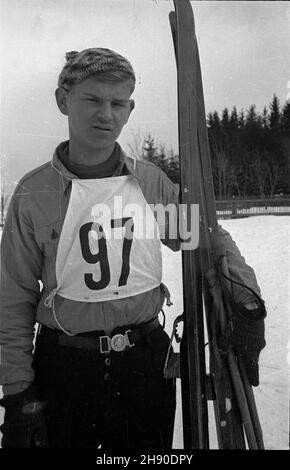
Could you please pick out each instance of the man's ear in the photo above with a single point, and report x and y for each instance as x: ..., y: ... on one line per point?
x: 61, y: 99
x: 132, y: 105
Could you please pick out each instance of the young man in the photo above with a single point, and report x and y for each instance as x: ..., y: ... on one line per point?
x: 96, y: 375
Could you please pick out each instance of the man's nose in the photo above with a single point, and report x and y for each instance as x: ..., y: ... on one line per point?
x: 105, y: 111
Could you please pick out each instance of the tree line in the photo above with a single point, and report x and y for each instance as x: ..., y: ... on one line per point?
x: 250, y: 151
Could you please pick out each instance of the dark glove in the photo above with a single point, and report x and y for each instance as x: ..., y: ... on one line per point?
x: 24, y: 424
x: 246, y: 333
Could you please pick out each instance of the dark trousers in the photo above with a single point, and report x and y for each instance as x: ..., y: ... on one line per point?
x: 114, y: 401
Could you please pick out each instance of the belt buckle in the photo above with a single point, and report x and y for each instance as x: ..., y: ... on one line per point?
x: 128, y: 339
x: 105, y: 346
x: 118, y: 342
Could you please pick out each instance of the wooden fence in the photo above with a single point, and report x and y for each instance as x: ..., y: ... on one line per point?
x: 233, y: 208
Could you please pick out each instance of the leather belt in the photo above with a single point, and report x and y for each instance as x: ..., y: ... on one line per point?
x: 124, y: 338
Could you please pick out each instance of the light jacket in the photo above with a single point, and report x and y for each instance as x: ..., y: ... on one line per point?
x: 28, y: 251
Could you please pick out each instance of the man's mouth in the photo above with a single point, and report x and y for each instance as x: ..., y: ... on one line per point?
x: 100, y: 128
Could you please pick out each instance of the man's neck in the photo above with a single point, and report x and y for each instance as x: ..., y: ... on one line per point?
x: 88, y: 156
x: 97, y: 170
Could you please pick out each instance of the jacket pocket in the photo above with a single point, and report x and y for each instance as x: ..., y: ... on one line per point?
x: 48, y: 238
x: 49, y: 234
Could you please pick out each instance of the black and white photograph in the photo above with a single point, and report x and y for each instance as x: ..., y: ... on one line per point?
x: 145, y: 227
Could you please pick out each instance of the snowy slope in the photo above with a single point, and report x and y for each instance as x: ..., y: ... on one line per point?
x: 265, y: 243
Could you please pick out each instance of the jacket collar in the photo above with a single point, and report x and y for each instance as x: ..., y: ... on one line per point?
x: 126, y: 165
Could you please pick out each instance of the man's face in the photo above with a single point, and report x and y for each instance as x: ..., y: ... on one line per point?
x: 97, y: 112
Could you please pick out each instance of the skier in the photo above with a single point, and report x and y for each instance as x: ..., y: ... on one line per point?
x: 95, y: 377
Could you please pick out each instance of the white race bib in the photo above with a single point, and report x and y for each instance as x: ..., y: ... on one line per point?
x: 110, y: 245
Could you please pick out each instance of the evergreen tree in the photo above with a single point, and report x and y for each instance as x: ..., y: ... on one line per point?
x: 251, y: 116
x: 285, y: 118
x: 216, y: 120
x: 234, y: 122
x: 210, y: 121
x: 265, y: 118
x: 234, y: 134
x: 214, y: 124
x: 225, y: 119
x: 241, y: 119
x: 275, y: 114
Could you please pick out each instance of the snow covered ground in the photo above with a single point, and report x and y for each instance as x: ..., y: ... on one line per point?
x: 265, y: 243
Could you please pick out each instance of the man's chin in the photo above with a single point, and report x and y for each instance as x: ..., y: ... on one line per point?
x: 99, y: 144
x: 102, y: 139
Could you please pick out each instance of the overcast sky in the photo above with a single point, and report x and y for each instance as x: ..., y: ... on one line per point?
x: 244, y: 50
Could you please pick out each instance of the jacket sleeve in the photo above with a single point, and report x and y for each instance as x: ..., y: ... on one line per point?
x: 239, y: 271
x: 21, y: 264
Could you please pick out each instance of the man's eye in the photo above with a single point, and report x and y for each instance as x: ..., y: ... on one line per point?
x: 118, y: 104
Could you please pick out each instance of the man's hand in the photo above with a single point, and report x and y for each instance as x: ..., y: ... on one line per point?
x: 245, y: 330
x: 24, y: 424
x: 246, y: 333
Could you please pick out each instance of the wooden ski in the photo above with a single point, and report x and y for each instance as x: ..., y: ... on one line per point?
x: 233, y: 411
